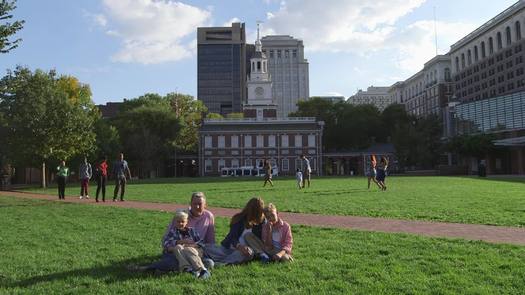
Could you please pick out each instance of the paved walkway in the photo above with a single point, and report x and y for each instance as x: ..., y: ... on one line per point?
x: 487, y: 233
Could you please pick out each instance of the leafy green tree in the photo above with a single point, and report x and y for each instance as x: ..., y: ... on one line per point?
x: 214, y: 116
x: 47, y: 117
x: 7, y: 28
x: 190, y: 112
x: 148, y: 135
x: 477, y: 145
x: 107, y: 140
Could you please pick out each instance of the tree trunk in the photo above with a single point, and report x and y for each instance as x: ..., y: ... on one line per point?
x: 43, y: 174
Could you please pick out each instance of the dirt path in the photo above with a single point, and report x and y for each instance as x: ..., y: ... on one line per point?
x: 487, y: 233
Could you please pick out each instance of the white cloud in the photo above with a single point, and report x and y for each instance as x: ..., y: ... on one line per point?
x: 416, y: 44
x: 96, y: 19
x: 232, y: 20
x: 339, y: 25
x: 366, y: 28
x: 153, y: 31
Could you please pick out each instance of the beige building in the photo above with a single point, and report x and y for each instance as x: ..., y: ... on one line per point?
x: 377, y: 96
x: 288, y: 70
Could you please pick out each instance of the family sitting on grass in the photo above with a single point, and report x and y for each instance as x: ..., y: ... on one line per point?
x: 256, y: 232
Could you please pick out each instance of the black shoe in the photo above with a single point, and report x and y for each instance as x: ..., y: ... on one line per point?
x: 122, y: 200
x: 96, y: 200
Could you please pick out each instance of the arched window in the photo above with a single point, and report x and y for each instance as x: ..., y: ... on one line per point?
x: 518, y: 30
x: 469, y: 57
x: 500, y: 42
x: 457, y: 64
x: 463, y: 61
x: 447, y: 74
x: 483, y: 55
x: 491, y: 46
x: 509, y: 36
x: 476, y: 56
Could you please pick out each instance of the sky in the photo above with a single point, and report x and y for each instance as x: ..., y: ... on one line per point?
x: 126, y: 48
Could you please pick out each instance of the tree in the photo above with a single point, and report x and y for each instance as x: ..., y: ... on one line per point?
x: 214, y: 116
x: 6, y: 28
x: 190, y: 112
x: 47, y: 117
x: 107, y: 139
x: 148, y: 132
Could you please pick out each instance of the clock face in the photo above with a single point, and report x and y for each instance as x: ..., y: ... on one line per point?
x: 259, y: 91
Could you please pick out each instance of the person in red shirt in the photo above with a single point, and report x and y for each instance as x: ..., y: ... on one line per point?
x: 101, y: 173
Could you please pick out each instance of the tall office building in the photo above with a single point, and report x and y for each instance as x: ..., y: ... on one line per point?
x: 288, y: 70
x: 377, y: 96
x: 221, y: 68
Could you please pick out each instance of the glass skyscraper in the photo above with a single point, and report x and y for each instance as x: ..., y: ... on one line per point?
x: 221, y: 68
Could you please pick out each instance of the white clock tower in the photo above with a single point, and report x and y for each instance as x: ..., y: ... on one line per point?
x: 260, y: 102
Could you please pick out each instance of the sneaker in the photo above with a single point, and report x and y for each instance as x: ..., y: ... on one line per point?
x: 204, y: 274
x: 87, y: 196
x: 81, y: 197
x: 208, y: 263
x: 264, y: 258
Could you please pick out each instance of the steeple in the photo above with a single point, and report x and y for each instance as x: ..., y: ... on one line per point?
x: 258, y: 44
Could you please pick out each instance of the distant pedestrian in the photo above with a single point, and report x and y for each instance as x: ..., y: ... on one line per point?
x: 101, y: 174
x: 381, y: 172
x: 371, y: 172
x: 62, y: 174
x: 120, y: 170
x: 307, y: 170
x: 299, y: 178
x: 267, y: 172
x: 84, y: 174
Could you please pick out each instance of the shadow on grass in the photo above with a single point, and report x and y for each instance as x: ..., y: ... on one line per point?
x: 506, y: 178
x: 115, y: 271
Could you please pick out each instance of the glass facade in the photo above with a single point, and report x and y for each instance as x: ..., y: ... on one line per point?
x: 221, y: 76
x: 489, y: 115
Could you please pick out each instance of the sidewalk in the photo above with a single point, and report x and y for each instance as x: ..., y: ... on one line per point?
x: 486, y: 233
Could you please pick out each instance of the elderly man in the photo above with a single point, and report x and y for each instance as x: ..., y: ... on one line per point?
x: 202, y: 221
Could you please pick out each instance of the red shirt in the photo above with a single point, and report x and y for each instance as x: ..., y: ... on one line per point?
x: 103, y: 168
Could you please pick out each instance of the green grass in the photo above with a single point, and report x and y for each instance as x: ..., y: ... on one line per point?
x: 60, y: 248
x: 450, y: 199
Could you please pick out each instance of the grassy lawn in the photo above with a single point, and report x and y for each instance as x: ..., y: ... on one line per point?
x: 49, y: 247
x: 451, y: 199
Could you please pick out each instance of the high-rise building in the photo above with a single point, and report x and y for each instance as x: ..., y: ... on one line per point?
x: 289, y: 71
x: 374, y: 95
x: 221, y: 68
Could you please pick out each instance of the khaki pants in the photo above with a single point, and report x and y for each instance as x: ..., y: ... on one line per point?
x: 189, y: 258
x: 258, y: 247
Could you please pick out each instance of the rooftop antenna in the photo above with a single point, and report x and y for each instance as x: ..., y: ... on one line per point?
x: 435, y: 30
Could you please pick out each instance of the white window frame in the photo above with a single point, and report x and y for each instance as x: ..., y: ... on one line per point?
x: 248, y: 141
x: 271, y: 141
x: 208, y: 163
x: 248, y: 162
x: 208, y: 142
x: 221, y: 141
x: 298, y: 140
x: 285, y: 140
x: 311, y: 140
x: 260, y: 141
x: 285, y: 165
x: 234, y: 141
x: 221, y: 164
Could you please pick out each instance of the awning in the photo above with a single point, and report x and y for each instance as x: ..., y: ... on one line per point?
x: 514, y: 141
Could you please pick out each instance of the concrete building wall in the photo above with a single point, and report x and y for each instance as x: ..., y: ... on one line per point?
x: 289, y: 71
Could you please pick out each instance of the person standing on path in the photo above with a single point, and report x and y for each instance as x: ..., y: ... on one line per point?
x: 62, y: 174
x: 84, y: 173
x: 307, y: 170
x: 267, y: 172
x: 102, y: 177
x: 120, y: 168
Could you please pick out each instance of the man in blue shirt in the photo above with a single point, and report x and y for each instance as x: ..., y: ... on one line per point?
x: 120, y: 169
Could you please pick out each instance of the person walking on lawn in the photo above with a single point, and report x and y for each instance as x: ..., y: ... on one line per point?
x: 84, y: 174
x: 120, y: 170
x: 101, y: 177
